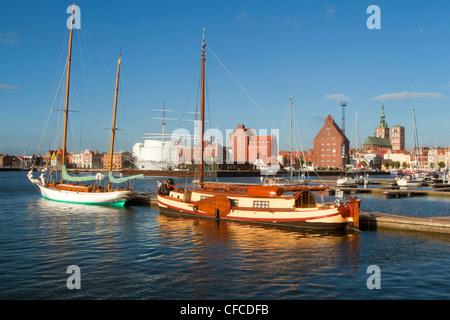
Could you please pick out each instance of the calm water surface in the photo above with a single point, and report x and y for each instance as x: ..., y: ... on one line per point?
x: 138, y: 253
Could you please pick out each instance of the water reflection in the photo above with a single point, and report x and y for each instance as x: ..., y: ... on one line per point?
x: 67, y: 227
x: 249, y: 256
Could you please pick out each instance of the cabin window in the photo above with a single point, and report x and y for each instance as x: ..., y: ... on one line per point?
x: 234, y: 202
x: 203, y: 197
x: 305, y: 200
x: 260, y: 204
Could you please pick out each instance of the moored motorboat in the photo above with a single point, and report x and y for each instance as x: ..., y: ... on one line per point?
x: 410, y: 181
x: 283, y: 182
x: 346, y: 182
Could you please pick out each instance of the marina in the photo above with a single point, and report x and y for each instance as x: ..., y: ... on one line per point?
x: 234, y: 197
x: 137, y: 252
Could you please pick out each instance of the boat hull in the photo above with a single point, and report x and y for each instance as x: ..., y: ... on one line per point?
x: 332, y: 218
x: 116, y: 198
x: 410, y: 184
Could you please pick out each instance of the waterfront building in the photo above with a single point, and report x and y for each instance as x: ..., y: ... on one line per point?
x: 438, y: 155
x: 6, y: 161
x: 238, y: 142
x: 154, y: 154
x: 259, y: 146
x: 121, y: 160
x: 400, y: 156
x: 92, y: 159
x: 267, y: 164
x: 77, y: 159
x: 398, y: 138
x: 331, y: 146
x: 244, y: 146
x: 297, y: 157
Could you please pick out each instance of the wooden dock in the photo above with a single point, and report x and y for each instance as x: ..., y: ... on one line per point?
x: 375, y: 220
x: 393, y: 192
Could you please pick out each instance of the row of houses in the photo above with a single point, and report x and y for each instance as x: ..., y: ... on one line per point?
x: 86, y: 159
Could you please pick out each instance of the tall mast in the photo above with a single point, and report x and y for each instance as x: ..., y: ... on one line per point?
x: 202, y: 104
x: 113, y: 129
x: 357, y: 142
x: 66, y: 112
x: 414, y: 137
x: 290, y: 120
x: 163, y: 122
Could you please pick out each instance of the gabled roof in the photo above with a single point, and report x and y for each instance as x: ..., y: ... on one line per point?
x: 330, y: 121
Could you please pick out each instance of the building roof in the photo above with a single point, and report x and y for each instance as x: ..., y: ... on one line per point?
x: 330, y: 121
x: 375, y: 141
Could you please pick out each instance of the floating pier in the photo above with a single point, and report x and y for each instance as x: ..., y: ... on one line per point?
x: 375, y: 220
x: 393, y: 192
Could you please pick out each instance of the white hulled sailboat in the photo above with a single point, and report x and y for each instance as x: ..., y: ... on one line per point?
x: 68, y: 188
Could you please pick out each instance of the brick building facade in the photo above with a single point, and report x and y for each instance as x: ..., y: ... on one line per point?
x: 331, y: 146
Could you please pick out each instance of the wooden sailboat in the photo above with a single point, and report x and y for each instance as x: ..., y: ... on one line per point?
x: 68, y: 188
x: 269, y: 205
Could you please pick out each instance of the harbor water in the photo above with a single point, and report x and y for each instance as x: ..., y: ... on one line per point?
x: 138, y: 253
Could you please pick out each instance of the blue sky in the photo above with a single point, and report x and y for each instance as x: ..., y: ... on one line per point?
x: 317, y: 52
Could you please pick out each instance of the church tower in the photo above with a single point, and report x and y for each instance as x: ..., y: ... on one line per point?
x: 382, y: 130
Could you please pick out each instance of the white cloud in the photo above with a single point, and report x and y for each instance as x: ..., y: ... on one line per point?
x: 9, y: 37
x: 338, y: 97
x: 241, y: 15
x: 330, y: 11
x: 4, y: 86
x: 408, y: 95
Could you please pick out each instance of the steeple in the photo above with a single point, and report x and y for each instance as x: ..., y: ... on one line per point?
x: 382, y: 123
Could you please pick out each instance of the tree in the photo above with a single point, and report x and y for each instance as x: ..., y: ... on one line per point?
x: 441, y: 164
x: 386, y: 164
x: 404, y: 165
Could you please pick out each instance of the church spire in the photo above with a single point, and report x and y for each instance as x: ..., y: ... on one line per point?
x: 382, y: 123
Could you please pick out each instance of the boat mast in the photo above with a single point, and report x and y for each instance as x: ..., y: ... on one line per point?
x: 202, y: 104
x: 414, y: 138
x: 113, y: 129
x: 66, y: 112
x: 357, y: 142
x: 290, y: 120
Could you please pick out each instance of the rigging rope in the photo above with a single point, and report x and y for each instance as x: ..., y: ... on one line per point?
x: 47, y: 114
x: 242, y: 88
